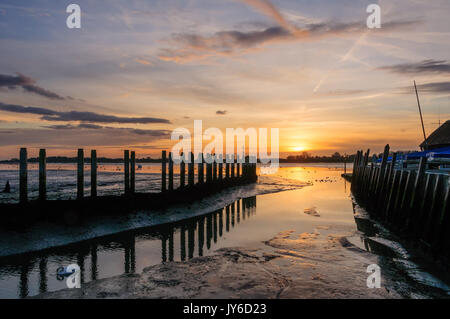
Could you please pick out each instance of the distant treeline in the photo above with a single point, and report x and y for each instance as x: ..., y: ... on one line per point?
x: 308, y: 158
x: 304, y: 158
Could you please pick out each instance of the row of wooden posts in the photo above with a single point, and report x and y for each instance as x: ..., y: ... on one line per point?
x: 414, y: 202
x: 214, y: 173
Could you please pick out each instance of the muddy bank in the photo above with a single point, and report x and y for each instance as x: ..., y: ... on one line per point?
x: 319, y: 264
x: 45, y: 235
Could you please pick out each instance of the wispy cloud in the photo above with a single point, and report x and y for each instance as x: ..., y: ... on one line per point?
x: 268, y: 9
x: 187, y: 47
x: 89, y: 117
x: 425, y: 66
x: 434, y: 87
x: 28, y: 84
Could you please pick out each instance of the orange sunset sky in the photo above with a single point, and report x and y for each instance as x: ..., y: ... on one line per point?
x: 136, y: 70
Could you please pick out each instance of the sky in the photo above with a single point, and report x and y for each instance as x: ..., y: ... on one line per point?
x: 136, y: 70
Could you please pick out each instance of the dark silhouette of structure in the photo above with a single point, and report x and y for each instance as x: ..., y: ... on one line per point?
x: 438, y: 139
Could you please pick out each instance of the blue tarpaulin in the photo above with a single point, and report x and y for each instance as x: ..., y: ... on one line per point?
x: 431, y: 154
x: 440, y: 153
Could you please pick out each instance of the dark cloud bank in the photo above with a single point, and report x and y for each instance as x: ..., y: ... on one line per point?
x: 423, y: 67
x: 29, y: 85
x: 89, y: 117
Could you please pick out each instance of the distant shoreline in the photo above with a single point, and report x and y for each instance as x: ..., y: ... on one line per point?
x: 105, y: 160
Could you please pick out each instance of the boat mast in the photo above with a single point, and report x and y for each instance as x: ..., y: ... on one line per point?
x: 420, y: 112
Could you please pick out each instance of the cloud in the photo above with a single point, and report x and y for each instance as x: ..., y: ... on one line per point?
x: 89, y: 117
x: 221, y: 112
x: 66, y: 138
x: 342, y: 92
x: 435, y: 87
x: 28, y: 84
x: 84, y: 126
x: 187, y: 47
x: 423, y: 67
x: 143, y: 61
x: 268, y: 9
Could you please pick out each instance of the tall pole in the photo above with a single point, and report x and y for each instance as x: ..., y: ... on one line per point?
x: 420, y: 112
x: 80, y: 175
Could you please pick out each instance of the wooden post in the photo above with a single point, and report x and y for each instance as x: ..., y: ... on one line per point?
x: 345, y: 164
x: 126, y: 163
x: 201, y: 170
x: 381, y: 175
x: 431, y: 214
x: 170, y: 172
x: 209, y: 172
x: 425, y: 201
x: 255, y: 177
x: 215, y: 168
x: 182, y: 172
x: 227, y: 170
x: 233, y: 167
x: 93, y: 173
x: 238, y: 168
x: 417, y: 189
x: 80, y: 177
x: 42, y: 175
x: 392, y: 193
x: 442, y: 217
x: 191, y: 180
x: 163, y: 171
x: 23, y: 176
x: 133, y: 172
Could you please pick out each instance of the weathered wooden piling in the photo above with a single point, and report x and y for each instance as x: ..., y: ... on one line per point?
x: 133, y: 172
x: 209, y: 170
x: 411, y: 201
x: 227, y: 170
x: 201, y: 170
x: 126, y: 163
x: 182, y: 172
x: 23, y: 176
x: 416, y: 193
x: 93, y: 173
x: 80, y: 174
x: 170, y: 172
x: 191, y: 180
x: 214, y: 168
x: 42, y: 175
x: 163, y: 171
x: 233, y: 167
x: 238, y: 169
x: 220, y: 170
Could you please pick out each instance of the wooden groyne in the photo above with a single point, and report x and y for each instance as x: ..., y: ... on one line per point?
x: 411, y: 201
x: 28, y: 211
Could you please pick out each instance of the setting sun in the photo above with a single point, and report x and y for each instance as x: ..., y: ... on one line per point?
x: 298, y: 148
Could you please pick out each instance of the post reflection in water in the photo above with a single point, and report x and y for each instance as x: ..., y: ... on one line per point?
x: 88, y: 255
x: 43, y: 275
x: 94, y: 272
x: 183, y: 243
